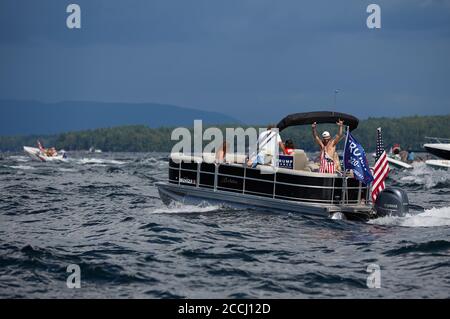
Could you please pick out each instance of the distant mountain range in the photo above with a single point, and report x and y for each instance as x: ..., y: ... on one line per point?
x: 31, y: 117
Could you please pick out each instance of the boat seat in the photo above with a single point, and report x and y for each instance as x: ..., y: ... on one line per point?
x: 295, y: 172
x: 312, y: 167
x: 300, y: 160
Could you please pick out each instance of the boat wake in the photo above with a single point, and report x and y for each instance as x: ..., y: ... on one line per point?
x: 424, y: 176
x: 429, y: 218
x: 186, y: 209
x: 19, y: 158
x: 111, y: 222
x: 98, y: 161
x: 21, y: 167
x: 67, y: 170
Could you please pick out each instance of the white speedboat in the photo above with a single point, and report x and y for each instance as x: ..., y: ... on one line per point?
x: 196, y: 179
x: 439, y: 148
x: 395, y: 163
x: 438, y: 163
x: 37, y: 155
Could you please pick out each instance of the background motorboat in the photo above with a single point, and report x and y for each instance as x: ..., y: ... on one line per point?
x: 439, y: 148
x: 94, y: 150
x: 438, y: 163
x: 396, y: 163
x: 37, y: 155
x: 395, y: 159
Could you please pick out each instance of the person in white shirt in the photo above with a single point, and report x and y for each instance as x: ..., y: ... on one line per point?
x: 269, y: 143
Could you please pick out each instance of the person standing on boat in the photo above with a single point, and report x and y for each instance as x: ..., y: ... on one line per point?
x: 47, y: 151
x: 269, y: 143
x: 329, y: 158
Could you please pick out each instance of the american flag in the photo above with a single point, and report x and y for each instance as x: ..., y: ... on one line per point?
x: 326, y: 163
x: 381, y: 169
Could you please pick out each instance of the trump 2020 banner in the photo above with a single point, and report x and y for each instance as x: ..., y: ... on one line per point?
x: 286, y: 161
x: 355, y: 159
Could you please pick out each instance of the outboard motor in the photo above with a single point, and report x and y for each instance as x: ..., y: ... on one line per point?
x: 392, y: 201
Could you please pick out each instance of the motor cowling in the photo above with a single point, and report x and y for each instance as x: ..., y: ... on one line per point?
x: 392, y: 201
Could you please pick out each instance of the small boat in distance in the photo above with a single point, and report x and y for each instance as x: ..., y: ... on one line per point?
x: 398, y: 158
x: 396, y: 163
x: 37, y: 155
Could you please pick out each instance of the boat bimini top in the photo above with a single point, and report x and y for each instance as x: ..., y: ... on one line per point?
x: 318, y: 117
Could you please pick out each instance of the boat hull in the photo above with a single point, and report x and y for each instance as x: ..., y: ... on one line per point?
x: 197, y: 196
x: 192, y: 180
x: 439, y: 164
x: 265, y: 182
x: 394, y: 163
x: 439, y: 150
x: 34, y: 153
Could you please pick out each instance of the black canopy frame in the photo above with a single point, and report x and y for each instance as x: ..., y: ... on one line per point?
x: 311, y: 117
x: 319, y: 117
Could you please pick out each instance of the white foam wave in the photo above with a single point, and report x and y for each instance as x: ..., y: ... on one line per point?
x: 180, y: 208
x: 99, y: 161
x: 149, y: 160
x: 19, y: 158
x: 67, y: 170
x: 24, y: 167
x: 338, y: 216
x: 424, y: 175
x: 429, y: 218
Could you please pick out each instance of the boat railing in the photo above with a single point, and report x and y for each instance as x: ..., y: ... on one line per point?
x: 438, y: 139
x: 344, y: 194
x: 344, y: 198
x: 345, y: 188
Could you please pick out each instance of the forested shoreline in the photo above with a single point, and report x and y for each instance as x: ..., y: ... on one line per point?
x: 410, y: 132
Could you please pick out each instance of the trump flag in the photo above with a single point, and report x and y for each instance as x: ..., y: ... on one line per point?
x: 355, y: 159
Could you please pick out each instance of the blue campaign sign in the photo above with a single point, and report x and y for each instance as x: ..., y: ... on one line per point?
x: 286, y: 161
x: 355, y: 160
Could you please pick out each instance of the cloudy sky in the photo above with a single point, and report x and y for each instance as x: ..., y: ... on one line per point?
x: 253, y: 59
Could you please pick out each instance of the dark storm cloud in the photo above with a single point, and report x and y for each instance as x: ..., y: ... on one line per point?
x: 251, y: 58
x: 250, y: 21
x: 151, y: 22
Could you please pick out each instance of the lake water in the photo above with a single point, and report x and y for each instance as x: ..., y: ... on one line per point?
x: 103, y: 213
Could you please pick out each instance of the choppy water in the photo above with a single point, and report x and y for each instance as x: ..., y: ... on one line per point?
x: 103, y: 213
